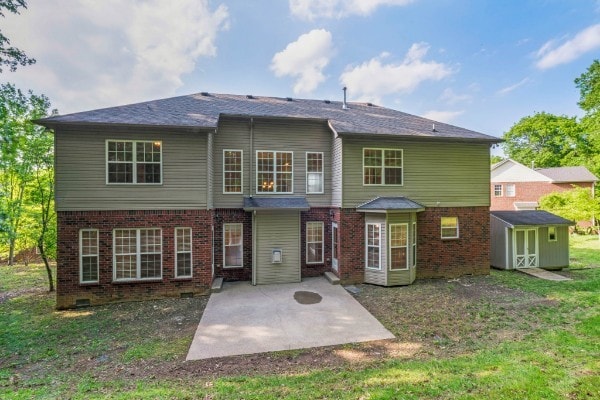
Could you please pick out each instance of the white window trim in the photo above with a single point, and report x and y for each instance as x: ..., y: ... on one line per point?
x: 514, y: 192
x: 367, y: 246
x: 274, y: 152
x: 457, y: 229
x: 555, y: 234
x: 414, y: 244
x: 322, y: 241
x: 407, y: 247
x: 382, y: 167
x: 184, y: 252
x: 501, y: 190
x: 133, y: 161
x: 322, y: 171
x: 241, y: 172
x: 137, y: 256
x: 81, y: 255
x: 224, y: 246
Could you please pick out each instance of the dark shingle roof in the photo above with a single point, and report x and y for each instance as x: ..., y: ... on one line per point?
x: 203, y: 110
x: 568, y: 174
x: 275, y: 203
x: 530, y: 218
x: 391, y: 203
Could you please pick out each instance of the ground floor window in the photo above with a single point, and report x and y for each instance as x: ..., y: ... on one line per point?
x: 183, y: 252
x: 233, y: 245
x: 449, y: 227
x: 552, y: 234
x: 398, y: 246
x: 373, y: 239
x: 314, y: 242
x: 137, y: 254
x: 88, y: 255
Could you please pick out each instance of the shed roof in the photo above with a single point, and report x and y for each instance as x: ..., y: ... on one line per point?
x: 275, y: 203
x: 568, y: 174
x: 203, y: 110
x: 530, y: 218
x: 391, y: 204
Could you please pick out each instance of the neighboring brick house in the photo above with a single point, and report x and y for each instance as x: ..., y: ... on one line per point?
x: 159, y: 198
x: 517, y: 187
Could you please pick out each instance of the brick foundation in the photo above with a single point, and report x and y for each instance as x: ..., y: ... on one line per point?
x: 68, y: 288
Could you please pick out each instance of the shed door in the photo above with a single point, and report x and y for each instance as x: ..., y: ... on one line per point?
x: 526, y: 248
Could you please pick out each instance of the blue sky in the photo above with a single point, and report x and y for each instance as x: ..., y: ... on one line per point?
x: 481, y: 65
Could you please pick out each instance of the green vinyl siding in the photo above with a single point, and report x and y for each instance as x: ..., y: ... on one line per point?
x: 80, y: 159
x: 444, y: 174
x: 276, y: 230
x: 298, y: 137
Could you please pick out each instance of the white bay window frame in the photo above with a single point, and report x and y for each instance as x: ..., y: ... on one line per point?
x: 373, y: 241
x: 396, y: 242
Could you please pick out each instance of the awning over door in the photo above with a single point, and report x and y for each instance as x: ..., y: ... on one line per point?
x: 276, y: 203
x: 384, y: 204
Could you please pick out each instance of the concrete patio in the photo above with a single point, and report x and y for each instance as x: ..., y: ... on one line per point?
x: 246, y: 319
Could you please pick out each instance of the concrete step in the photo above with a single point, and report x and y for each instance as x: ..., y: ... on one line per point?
x: 330, y: 276
x: 543, y: 274
x: 217, y: 285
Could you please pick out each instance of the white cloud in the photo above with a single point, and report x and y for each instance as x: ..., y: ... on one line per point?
x: 510, y: 88
x: 549, y: 55
x: 305, y: 60
x: 92, y: 54
x: 373, y: 79
x: 442, y: 116
x: 449, y: 97
x: 311, y: 9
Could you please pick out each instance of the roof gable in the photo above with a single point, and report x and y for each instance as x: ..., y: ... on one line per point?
x: 511, y: 171
x: 203, y: 110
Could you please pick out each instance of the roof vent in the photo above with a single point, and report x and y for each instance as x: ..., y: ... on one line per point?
x: 289, y: 99
x: 205, y: 94
x: 344, y: 104
x: 327, y: 101
x: 370, y: 104
x: 249, y: 96
x: 433, y: 128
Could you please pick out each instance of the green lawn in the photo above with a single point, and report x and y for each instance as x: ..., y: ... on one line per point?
x: 504, y: 336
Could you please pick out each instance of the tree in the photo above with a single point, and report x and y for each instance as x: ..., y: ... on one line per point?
x: 11, y: 57
x: 17, y: 164
x: 577, y: 204
x: 588, y: 84
x: 495, y: 159
x: 546, y: 140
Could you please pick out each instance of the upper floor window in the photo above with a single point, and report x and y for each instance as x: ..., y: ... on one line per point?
x: 510, y: 190
x: 232, y: 171
x: 382, y: 167
x: 274, y: 172
x: 314, y: 172
x: 497, y: 190
x: 131, y: 161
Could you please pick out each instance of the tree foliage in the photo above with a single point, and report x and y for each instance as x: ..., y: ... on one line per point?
x: 10, y: 56
x: 546, y: 140
x: 20, y: 159
x: 588, y: 84
x: 577, y: 204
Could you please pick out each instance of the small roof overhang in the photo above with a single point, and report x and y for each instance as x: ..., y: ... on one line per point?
x: 530, y: 218
x: 385, y: 204
x: 276, y: 203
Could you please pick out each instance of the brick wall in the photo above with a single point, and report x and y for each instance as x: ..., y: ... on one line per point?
x: 224, y: 216
x: 68, y: 289
x: 531, y: 191
x: 449, y: 258
x: 352, y: 246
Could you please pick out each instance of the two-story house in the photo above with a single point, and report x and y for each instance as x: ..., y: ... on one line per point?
x: 159, y: 198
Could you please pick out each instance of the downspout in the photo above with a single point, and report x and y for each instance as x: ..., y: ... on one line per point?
x: 251, y: 153
x: 212, y: 249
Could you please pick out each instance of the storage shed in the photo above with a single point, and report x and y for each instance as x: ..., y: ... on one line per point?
x: 529, y: 239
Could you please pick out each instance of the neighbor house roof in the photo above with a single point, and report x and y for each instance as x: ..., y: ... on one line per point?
x: 530, y: 218
x: 203, y: 110
x: 275, y: 203
x: 568, y: 174
x: 391, y: 204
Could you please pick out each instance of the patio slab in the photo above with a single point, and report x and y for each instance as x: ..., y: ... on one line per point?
x: 246, y: 319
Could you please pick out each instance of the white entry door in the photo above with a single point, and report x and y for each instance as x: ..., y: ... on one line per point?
x: 526, y: 248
